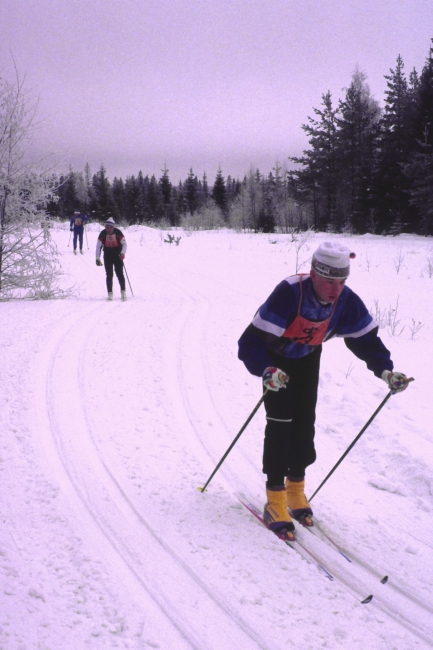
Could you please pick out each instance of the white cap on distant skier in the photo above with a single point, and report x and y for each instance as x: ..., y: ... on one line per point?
x: 110, y: 222
x: 332, y: 260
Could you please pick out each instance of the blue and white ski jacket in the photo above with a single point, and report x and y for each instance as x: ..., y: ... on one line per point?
x: 78, y: 220
x: 350, y: 320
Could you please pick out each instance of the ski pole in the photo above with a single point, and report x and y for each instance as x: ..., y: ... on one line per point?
x: 69, y: 240
x: 367, y: 424
x: 202, y: 489
x: 128, y: 279
x: 87, y: 241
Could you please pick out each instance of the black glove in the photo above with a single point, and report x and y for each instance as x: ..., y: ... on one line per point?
x: 71, y: 229
x: 98, y: 262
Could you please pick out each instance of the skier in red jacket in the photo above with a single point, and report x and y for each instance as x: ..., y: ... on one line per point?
x: 113, y: 241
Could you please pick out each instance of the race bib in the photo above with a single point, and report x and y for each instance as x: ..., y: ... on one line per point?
x: 111, y: 241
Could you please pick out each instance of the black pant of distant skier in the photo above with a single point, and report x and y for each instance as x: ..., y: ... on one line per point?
x: 115, y: 263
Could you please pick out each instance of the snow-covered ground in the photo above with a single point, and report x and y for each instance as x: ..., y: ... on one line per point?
x: 112, y: 415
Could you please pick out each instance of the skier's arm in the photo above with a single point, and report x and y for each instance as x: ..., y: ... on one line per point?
x: 253, y: 352
x: 370, y: 348
x: 266, y: 328
x: 98, y: 248
x: 124, y: 245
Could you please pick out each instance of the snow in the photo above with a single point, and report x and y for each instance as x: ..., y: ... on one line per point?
x: 113, y: 414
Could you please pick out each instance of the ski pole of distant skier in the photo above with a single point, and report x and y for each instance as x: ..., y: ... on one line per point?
x: 87, y: 241
x: 69, y: 240
x: 128, y: 279
x: 366, y: 425
x: 254, y: 411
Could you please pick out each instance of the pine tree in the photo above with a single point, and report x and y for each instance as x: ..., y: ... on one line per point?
x: 131, y: 193
x: 219, y: 192
x: 119, y: 199
x: 395, y: 149
x: 102, y: 201
x: 317, y: 182
x: 358, y: 132
x: 424, y: 124
x: 420, y: 172
x: 191, y: 190
x: 154, y: 199
x: 165, y: 185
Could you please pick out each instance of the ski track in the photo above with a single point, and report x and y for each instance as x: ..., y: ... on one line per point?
x: 391, y: 584
x: 107, y: 511
x: 116, y: 517
x: 389, y: 600
x: 189, y: 335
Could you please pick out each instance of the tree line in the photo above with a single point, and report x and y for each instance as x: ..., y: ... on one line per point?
x: 366, y: 169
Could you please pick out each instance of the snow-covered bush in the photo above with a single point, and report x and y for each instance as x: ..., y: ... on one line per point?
x: 29, y: 264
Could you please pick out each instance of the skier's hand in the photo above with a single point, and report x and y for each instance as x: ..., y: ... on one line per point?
x: 122, y: 256
x: 71, y: 229
x: 396, y: 381
x: 98, y: 261
x: 274, y: 378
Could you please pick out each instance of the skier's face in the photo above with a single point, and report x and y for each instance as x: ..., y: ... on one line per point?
x: 327, y: 289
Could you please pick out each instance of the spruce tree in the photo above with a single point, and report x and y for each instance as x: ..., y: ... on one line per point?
x: 165, y: 185
x: 424, y: 124
x: 358, y: 133
x: 219, y: 192
x: 396, y: 144
x: 191, y: 190
x: 317, y: 182
x: 102, y: 204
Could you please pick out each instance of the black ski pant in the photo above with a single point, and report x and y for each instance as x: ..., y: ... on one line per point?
x: 110, y: 262
x: 78, y: 234
x: 291, y: 414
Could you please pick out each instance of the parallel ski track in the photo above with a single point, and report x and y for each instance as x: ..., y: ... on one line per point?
x: 391, y: 584
x: 85, y: 469
x: 199, y: 311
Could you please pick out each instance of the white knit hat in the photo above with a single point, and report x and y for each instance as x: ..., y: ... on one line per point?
x: 332, y: 260
x: 110, y: 222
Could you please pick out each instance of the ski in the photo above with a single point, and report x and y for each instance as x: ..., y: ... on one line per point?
x: 305, y: 552
x: 318, y: 532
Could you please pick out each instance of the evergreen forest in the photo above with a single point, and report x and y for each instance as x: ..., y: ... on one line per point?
x: 367, y: 168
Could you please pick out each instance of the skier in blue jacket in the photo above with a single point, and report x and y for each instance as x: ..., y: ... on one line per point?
x: 76, y: 225
x: 282, y: 345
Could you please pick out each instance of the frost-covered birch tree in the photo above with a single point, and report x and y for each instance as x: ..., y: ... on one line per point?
x: 29, y: 261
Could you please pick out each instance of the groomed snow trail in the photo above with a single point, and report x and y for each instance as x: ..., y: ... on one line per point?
x: 141, y: 554
x: 117, y: 412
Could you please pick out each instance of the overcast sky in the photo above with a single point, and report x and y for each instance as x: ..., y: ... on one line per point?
x: 139, y: 84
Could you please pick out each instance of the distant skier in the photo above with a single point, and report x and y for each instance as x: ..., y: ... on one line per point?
x: 113, y: 242
x: 283, y: 345
x: 76, y: 225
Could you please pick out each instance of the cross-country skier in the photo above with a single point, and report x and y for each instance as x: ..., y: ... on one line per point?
x: 76, y: 225
x: 113, y: 242
x: 283, y: 345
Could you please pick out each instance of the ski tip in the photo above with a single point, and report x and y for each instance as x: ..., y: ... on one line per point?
x: 384, y: 580
x: 367, y: 600
x: 306, y: 521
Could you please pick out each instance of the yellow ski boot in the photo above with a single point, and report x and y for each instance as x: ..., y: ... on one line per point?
x: 297, y: 501
x: 276, y: 515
